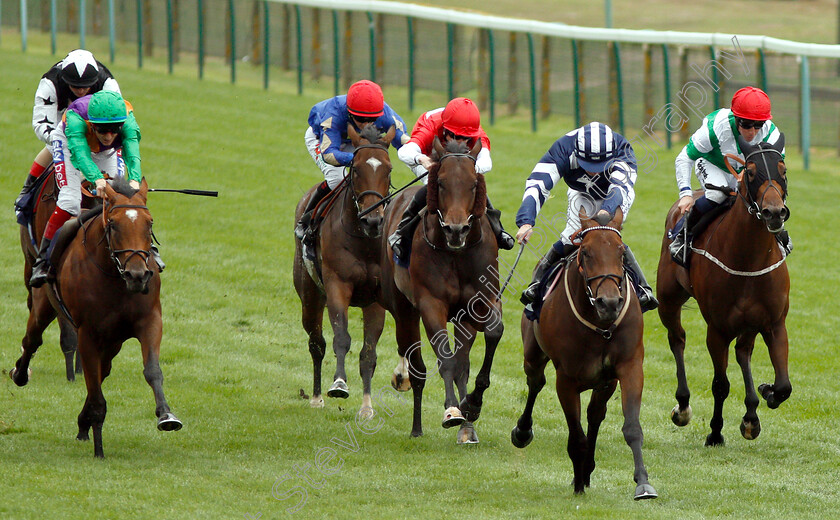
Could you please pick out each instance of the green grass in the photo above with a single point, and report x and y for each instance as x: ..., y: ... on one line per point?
x: 234, y: 354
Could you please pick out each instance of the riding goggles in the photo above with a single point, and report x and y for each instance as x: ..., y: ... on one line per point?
x: 107, y: 128
x: 749, y: 123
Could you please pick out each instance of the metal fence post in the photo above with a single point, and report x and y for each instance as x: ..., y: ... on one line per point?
x: 232, y: 14
x: 140, y: 33
x: 576, y: 75
x: 169, y: 48
x: 412, y: 41
x: 805, y: 110
x: 82, y: 23
x: 372, y: 37
x: 762, y: 69
x: 491, y: 48
x: 24, y: 22
x: 336, y: 54
x: 54, y: 26
x: 266, y: 40
x: 112, y: 31
x: 533, y: 77
x: 299, y: 38
x: 200, y: 39
x: 450, y: 61
x: 666, y: 73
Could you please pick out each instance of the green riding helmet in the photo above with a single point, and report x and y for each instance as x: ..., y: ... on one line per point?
x: 107, y: 107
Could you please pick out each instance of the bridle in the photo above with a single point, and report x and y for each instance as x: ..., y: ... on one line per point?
x: 144, y: 254
x: 753, y: 205
x: 471, y: 218
x: 600, y: 278
x: 356, y: 196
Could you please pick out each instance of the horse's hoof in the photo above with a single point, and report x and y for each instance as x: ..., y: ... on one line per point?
x: 520, y: 438
x: 20, y: 380
x: 715, y: 439
x: 681, y: 417
x: 339, y: 390
x: 83, y: 436
x: 400, y: 383
x: 467, y: 435
x: 316, y: 401
x: 418, y: 433
x: 644, y: 491
x: 470, y: 412
x: 452, y: 417
x: 750, y: 430
x: 766, y: 391
x: 169, y: 423
x: 366, y: 413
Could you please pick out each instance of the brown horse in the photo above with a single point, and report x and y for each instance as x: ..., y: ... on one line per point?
x: 346, y: 271
x: 46, y: 197
x: 110, y: 286
x: 590, y: 327
x: 741, y: 284
x: 450, y: 277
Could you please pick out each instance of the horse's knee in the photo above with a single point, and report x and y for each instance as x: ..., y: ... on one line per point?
x: 153, y: 373
x: 720, y: 387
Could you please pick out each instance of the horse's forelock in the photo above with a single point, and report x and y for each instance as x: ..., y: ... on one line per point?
x: 455, y: 146
x: 371, y: 133
x: 121, y: 186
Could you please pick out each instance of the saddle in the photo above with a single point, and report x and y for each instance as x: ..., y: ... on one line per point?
x: 324, y: 206
x: 547, y: 285
x: 703, y: 223
x: 26, y: 205
x: 68, y: 231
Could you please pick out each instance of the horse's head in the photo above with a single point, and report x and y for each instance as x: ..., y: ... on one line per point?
x: 601, y: 262
x: 370, y: 174
x: 763, y: 182
x: 128, y: 233
x: 455, y: 191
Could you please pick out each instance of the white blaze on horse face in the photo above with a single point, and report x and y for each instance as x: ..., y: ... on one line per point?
x: 131, y: 214
x: 374, y: 163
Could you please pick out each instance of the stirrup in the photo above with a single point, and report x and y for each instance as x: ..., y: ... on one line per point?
x: 529, y: 295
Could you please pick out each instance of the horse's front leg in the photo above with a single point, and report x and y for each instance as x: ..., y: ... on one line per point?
x: 718, y: 347
x: 494, y: 328
x: 95, y: 407
x: 631, y: 378
x: 374, y: 320
x: 671, y: 297
x: 777, y: 346
x: 570, y: 401
x: 750, y: 424
x: 534, y: 365
x: 41, y: 314
x: 150, y: 331
x: 338, y: 301
x: 434, y: 313
x: 411, y: 371
x: 464, y: 337
x: 595, y: 413
x: 69, y: 346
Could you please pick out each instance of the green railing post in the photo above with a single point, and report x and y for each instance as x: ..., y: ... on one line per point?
x: 619, y: 85
x: 112, y: 30
x: 82, y: 23
x: 762, y: 69
x: 169, y: 43
x: 266, y: 39
x: 24, y: 22
x: 666, y: 73
x: 492, y: 83
x: 299, y: 37
x: 576, y: 76
x: 232, y: 14
x: 805, y: 111
x: 372, y: 36
x: 716, y: 95
x: 533, y: 76
x: 336, y: 54
x: 450, y: 61
x: 140, y: 34
x: 54, y: 25
x: 200, y: 39
x: 411, y: 43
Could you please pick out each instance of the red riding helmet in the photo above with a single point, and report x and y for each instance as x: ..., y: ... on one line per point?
x: 461, y: 117
x: 365, y: 99
x: 751, y: 103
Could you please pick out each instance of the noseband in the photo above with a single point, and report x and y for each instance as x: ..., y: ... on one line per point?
x: 602, y: 277
x: 356, y: 196
x: 145, y: 254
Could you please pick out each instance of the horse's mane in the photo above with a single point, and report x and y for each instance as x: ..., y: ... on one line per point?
x: 480, y: 205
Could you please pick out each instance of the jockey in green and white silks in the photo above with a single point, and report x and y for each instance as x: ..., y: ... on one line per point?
x: 748, y: 117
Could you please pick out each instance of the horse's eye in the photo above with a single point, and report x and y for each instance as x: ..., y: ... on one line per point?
x: 441, y: 185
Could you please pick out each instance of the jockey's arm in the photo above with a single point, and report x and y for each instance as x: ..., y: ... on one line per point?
x: 131, y: 148
x: 414, y: 158
x: 483, y: 163
x: 45, y: 110
x: 76, y: 132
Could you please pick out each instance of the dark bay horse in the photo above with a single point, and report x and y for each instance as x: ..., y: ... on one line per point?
x: 741, y: 284
x: 590, y: 327
x: 46, y: 195
x: 347, y: 271
x: 110, y: 286
x: 452, y: 275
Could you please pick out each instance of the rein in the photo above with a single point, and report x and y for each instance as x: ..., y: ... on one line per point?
x: 753, y: 206
x: 440, y: 215
x: 605, y: 333
x: 356, y: 196
x: 145, y: 254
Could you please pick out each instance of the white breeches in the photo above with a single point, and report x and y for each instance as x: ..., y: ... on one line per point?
x: 332, y: 174
x: 69, y: 178
x: 710, y: 175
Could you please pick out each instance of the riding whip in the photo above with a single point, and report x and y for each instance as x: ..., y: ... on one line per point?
x: 390, y: 196
x: 512, y: 269
x: 203, y: 193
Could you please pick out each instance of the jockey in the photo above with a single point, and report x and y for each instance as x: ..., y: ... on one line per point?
x: 327, y: 142
x: 98, y: 133
x: 77, y: 75
x: 599, y: 167
x: 459, y: 120
x: 749, y: 117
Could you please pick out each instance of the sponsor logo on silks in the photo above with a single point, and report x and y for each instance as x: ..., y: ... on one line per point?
x: 120, y: 165
x: 58, y: 161
x: 58, y: 153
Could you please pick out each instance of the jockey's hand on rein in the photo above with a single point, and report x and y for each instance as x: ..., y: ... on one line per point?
x: 100, y: 187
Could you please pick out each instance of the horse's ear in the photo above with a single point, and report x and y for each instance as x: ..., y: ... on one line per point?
x: 585, y: 221
x: 617, y: 219
x: 476, y: 148
x: 389, y: 136
x: 353, y: 134
x: 144, y: 188
x: 438, y: 147
x: 779, y: 145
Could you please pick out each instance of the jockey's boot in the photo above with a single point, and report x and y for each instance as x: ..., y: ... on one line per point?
x: 41, y: 268
x: 784, y: 240
x: 647, y: 300
x: 529, y: 295
x: 302, y: 227
x: 400, y: 239
x: 503, y: 238
x: 679, y: 247
x: 158, y: 259
x: 27, y: 187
